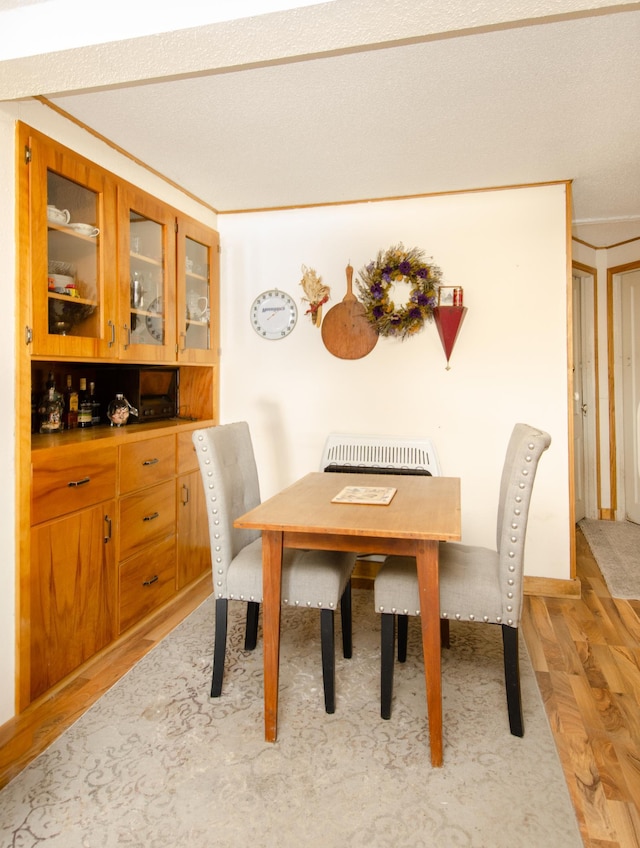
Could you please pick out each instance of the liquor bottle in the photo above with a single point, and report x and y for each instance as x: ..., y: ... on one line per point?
x: 51, y: 408
x: 70, y: 415
x: 95, y: 405
x: 84, y: 405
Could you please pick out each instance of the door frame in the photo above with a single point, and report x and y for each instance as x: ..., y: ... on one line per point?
x: 614, y: 366
x: 590, y: 391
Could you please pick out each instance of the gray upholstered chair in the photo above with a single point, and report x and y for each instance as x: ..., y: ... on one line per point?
x: 319, y: 580
x: 476, y: 584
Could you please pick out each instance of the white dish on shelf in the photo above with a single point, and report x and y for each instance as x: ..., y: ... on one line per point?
x: 58, y: 216
x: 85, y: 229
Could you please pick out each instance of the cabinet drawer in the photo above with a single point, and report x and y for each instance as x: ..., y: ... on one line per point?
x: 145, y: 463
x: 63, y: 484
x: 146, y: 517
x: 146, y: 581
x: 187, y: 457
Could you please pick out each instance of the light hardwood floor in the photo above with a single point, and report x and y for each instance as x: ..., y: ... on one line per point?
x: 586, y: 656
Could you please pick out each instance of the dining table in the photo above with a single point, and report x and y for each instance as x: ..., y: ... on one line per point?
x: 423, y: 511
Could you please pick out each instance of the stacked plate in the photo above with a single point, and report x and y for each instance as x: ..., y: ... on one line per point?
x: 58, y: 267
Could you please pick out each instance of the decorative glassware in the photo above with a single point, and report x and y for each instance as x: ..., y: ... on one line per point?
x: 119, y: 410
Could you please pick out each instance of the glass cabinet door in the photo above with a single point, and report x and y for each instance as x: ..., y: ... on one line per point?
x: 147, y: 280
x: 72, y: 277
x: 197, y: 291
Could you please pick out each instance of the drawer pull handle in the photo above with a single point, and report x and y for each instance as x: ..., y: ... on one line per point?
x: 151, y: 517
x: 150, y: 461
x: 75, y: 483
x: 149, y: 582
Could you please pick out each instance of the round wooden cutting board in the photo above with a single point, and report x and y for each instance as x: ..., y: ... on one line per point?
x: 346, y: 333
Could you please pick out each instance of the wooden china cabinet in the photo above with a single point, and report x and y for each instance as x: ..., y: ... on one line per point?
x: 111, y: 520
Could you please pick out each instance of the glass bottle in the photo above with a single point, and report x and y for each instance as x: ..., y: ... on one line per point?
x: 51, y: 408
x: 119, y: 410
x: 95, y: 405
x: 84, y: 405
x: 70, y: 415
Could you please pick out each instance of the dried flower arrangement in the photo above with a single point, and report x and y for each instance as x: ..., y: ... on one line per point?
x: 316, y: 293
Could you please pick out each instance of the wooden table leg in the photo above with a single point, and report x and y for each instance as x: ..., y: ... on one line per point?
x: 429, y: 585
x: 271, y: 589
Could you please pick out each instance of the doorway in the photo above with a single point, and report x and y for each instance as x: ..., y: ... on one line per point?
x: 630, y: 351
x: 584, y: 407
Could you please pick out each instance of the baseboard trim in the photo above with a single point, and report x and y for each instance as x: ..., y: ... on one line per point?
x: 552, y: 587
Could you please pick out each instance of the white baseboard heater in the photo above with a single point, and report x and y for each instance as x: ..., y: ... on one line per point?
x: 379, y: 455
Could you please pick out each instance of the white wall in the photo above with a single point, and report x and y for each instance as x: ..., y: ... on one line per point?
x: 508, y: 249
x: 7, y: 423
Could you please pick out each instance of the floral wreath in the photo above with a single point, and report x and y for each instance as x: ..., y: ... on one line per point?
x: 398, y: 265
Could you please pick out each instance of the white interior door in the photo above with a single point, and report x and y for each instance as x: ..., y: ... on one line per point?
x: 630, y: 313
x: 579, y: 404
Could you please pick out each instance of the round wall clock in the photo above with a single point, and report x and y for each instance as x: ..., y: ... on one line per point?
x: 273, y: 314
x: 155, y: 326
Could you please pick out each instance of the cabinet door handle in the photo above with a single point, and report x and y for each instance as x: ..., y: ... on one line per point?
x: 149, y: 582
x: 185, y: 495
x: 183, y: 340
x: 75, y: 483
x: 107, y: 521
x: 151, y: 517
x: 150, y: 461
x: 112, y: 341
x: 128, y: 342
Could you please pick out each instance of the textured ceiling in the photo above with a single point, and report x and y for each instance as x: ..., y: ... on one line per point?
x: 396, y: 109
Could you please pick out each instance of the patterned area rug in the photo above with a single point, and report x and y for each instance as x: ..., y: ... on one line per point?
x: 156, y: 762
x: 616, y: 548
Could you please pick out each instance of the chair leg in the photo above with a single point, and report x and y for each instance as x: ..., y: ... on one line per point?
x: 251, y: 629
x: 327, y: 641
x: 387, y: 646
x: 444, y: 633
x: 403, y: 635
x: 219, y: 646
x: 345, y: 617
x: 512, y: 679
